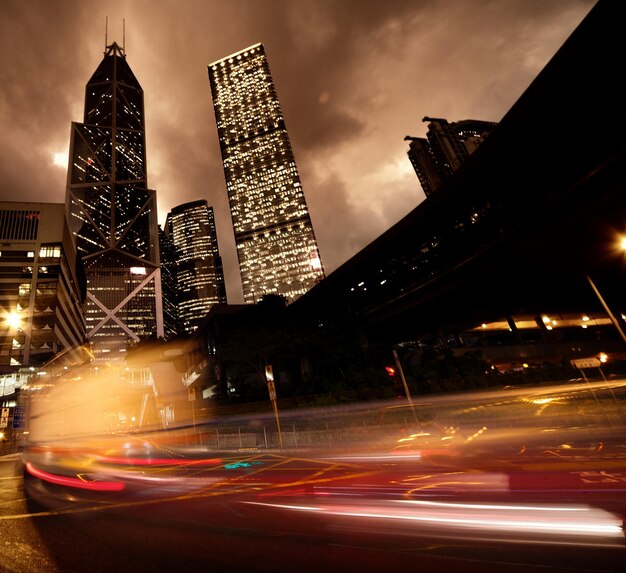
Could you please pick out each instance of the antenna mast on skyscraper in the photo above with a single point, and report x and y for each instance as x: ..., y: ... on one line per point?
x: 124, y: 36
x: 106, y: 34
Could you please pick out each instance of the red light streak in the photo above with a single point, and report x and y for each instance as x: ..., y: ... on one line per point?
x: 74, y: 482
x: 160, y: 461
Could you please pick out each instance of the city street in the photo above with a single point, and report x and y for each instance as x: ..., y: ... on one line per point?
x: 335, y: 511
x: 403, y: 351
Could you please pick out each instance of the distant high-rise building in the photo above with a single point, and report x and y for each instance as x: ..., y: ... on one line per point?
x: 445, y: 148
x: 198, y: 269
x: 42, y: 288
x: 276, y: 245
x: 167, y: 254
x: 112, y: 213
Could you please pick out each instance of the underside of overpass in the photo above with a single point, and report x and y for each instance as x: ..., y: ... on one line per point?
x: 537, y: 209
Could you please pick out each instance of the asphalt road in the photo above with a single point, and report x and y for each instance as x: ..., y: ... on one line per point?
x: 279, y: 512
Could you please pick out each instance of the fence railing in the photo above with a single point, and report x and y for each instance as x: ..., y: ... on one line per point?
x: 579, y: 413
x: 583, y: 411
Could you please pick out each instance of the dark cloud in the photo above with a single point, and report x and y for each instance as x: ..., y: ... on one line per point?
x: 353, y: 76
x: 342, y: 222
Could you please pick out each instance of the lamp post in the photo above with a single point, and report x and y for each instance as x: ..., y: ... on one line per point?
x: 621, y: 247
x: 271, y: 388
x: 606, y: 308
x: 406, y: 388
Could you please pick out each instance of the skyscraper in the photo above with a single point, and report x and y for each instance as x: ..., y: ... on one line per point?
x: 112, y: 213
x: 167, y: 256
x: 276, y: 245
x: 198, y: 269
x: 444, y: 149
x: 42, y: 287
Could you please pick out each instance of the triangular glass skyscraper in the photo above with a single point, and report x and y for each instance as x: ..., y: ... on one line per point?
x: 112, y: 213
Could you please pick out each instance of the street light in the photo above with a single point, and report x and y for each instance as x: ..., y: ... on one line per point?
x: 622, y: 247
x: 13, y: 320
x: 606, y: 308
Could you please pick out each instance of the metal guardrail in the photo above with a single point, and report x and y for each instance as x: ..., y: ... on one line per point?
x: 579, y: 412
x: 587, y: 410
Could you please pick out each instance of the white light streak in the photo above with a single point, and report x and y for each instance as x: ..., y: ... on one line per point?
x: 578, y: 521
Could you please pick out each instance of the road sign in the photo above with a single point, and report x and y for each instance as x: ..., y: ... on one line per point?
x: 5, y: 412
x: 191, y: 394
x: 17, y: 417
x: 4, y: 422
x: 586, y: 363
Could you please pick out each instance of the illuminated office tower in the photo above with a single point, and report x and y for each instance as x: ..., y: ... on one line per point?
x: 276, y: 245
x: 112, y: 213
x: 167, y: 256
x: 42, y: 289
x: 198, y: 269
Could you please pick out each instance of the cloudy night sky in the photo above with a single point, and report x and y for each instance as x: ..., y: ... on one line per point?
x: 353, y: 77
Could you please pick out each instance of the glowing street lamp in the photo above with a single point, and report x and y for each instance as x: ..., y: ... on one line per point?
x: 622, y: 246
x: 13, y: 320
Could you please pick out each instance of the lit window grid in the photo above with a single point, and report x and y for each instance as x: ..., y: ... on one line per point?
x: 96, y: 201
x: 46, y: 301
x: 129, y: 201
x: 256, y: 152
x: 139, y: 239
x: 126, y: 136
x: 284, y: 263
x: 138, y: 314
x: 96, y: 209
x: 264, y: 196
x: 192, y: 280
x: 129, y: 155
x: 244, y: 96
x: 191, y: 311
x: 193, y: 234
x: 102, y: 89
x: 92, y: 154
x: 267, y: 210
x: 262, y: 181
x: 98, y: 105
x: 136, y: 208
x: 199, y: 284
x: 129, y: 112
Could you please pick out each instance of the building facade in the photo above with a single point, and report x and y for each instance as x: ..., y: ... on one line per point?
x: 112, y: 213
x: 42, y: 289
x: 199, y: 275
x: 167, y: 255
x: 276, y: 245
x: 444, y: 149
